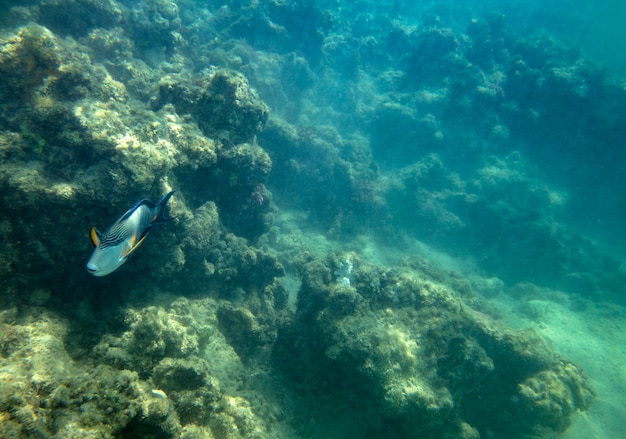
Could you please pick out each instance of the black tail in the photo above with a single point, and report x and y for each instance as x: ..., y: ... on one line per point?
x: 161, y: 218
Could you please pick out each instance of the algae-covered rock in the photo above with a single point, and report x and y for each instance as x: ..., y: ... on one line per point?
x: 45, y: 393
x: 404, y: 350
x: 243, y: 331
x: 213, y: 257
x: 139, y: 384
x: 85, y: 15
x: 153, y: 24
x: 221, y: 101
x: 37, y: 64
x: 188, y: 383
x: 184, y: 330
x: 237, y: 420
x: 77, y: 140
x: 333, y: 178
x: 154, y: 334
x: 26, y: 59
x: 238, y: 179
x: 190, y: 364
x: 553, y: 395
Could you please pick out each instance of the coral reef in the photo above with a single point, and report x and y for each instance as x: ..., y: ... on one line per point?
x: 46, y: 393
x: 76, y: 138
x: 398, y: 121
x: 555, y: 394
x: 407, y: 355
x: 222, y: 102
x: 184, y: 354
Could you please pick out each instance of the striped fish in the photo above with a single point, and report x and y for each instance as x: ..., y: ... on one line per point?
x: 113, y: 247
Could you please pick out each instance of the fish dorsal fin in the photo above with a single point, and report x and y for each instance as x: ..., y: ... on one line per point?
x: 95, y: 236
x: 128, y: 251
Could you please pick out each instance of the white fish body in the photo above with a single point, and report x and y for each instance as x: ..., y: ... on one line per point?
x: 113, y: 247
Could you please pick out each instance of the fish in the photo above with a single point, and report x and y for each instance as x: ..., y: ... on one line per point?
x: 114, y: 247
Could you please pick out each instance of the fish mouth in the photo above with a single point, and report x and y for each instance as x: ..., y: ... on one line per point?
x: 91, y: 268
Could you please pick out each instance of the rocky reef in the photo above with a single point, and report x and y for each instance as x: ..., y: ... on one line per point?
x: 78, y: 145
x: 400, y: 353
x: 358, y: 121
x: 396, y: 351
x: 75, y: 138
x: 153, y: 380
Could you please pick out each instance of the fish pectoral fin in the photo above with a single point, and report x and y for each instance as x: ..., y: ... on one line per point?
x: 95, y: 236
x: 128, y: 251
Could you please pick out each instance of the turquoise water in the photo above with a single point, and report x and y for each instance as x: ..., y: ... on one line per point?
x: 391, y: 218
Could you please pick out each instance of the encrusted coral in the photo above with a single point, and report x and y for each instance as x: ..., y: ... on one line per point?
x: 46, y: 393
x: 26, y: 59
x: 405, y: 342
x: 183, y: 354
x: 221, y: 101
x: 189, y: 384
x: 153, y: 334
x: 243, y: 331
x: 84, y: 141
x: 553, y: 395
x: 379, y: 126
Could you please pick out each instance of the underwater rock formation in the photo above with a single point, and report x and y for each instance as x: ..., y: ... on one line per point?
x: 427, y: 130
x: 77, y: 139
x: 334, y: 174
x: 411, y: 359
x: 222, y: 103
x: 183, y: 353
x: 45, y: 393
x: 226, y: 108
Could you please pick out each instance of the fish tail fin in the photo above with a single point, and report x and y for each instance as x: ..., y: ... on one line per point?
x: 160, y: 208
